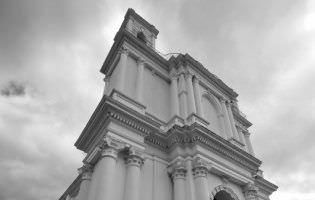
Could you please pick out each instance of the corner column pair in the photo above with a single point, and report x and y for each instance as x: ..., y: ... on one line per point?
x: 102, y: 187
x: 199, y: 171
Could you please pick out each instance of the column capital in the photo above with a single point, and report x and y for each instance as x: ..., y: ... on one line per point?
x: 140, y: 61
x: 246, y: 133
x: 106, y: 79
x: 250, y: 191
x: 110, y: 147
x: 178, y: 169
x: 134, y: 158
x: 200, y: 167
x: 86, y: 171
x: 188, y: 75
x: 222, y: 100
x: 124, y: 50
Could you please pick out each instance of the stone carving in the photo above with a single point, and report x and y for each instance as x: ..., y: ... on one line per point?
x: 134, y: 158
x: 178, y: 169
x: 199, y: 167
x: 250, y: 192
x: 86, y: 172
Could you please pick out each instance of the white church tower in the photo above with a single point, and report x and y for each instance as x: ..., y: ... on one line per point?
x: 164, y: 130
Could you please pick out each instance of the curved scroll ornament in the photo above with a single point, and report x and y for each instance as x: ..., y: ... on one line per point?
x: 223, y: 188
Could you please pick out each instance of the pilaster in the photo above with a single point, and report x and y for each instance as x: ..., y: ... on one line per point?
x: 174, y: 94
x: 232, y: 122
x: 197, y: 96
x: 122, y: 65
x: 190, y: 93
x: 139, y: 83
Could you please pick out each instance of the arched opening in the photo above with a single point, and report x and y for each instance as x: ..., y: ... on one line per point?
x: 141, y: 37
x: 211, y: 112
x: 223, y: 192
x: 223, y: 195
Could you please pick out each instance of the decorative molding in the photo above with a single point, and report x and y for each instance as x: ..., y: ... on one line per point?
x: 223, y: 188
x: 216, y: 144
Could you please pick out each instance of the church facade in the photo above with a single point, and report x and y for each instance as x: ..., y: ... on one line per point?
x: 165, y: 129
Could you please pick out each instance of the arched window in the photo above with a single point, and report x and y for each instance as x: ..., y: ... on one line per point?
x: 141, y: 37
x: 211, y: 112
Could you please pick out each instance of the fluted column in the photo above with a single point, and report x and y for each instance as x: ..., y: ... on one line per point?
x: 106, y: 167
x: 179, y: 177
x: 122, y: 65
x: 182, y: 96
x: 197, y: 96
x: 139, y: 83
x: 174, y: 95
x: 233, y: 127
x: 134, y: 162
x: 190, y: 93
x: 200, y: 171
x: 250, y: 192
x: 248, y: 143
x: 86, y: 175
x: 228, y: 128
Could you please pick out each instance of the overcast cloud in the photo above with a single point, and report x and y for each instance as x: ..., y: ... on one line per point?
x: 51, y: 53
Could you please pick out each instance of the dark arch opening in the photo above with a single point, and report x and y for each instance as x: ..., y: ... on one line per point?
x: 141, y: 37
x: 223, y: 195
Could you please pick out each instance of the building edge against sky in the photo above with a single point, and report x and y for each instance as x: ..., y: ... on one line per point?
x: 164, y: 129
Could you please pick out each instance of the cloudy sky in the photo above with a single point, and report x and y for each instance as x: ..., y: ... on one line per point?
x: 51, y: 53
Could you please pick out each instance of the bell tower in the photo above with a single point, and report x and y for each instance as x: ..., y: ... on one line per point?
x: 164, y: 129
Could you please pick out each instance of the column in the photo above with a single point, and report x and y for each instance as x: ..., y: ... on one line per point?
x: 179, y: 177
x: 197, y: 96
x: 234, y: 131
x: 174, y: 95
x: 139, y: 83
x: 250, y: 192
x: 228, y: 128
x: 105, y: 174
x: 86, y: 175
x: 248, y: 143
x: 182, y: 96
x: 190, y: 92
x: 106, y: 87
x: 200, y: 171
x: 122, y: 65
x: 134, y: 162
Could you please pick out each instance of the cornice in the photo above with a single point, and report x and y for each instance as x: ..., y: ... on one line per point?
x: 241, y: 119
x: 196, y: 134
x: 131, y: 13
x: 108, y: 110
x: 125, y: 36
x: 265, y: 185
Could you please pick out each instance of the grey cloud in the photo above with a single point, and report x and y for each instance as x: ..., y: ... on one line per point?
x: 13, y: 89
